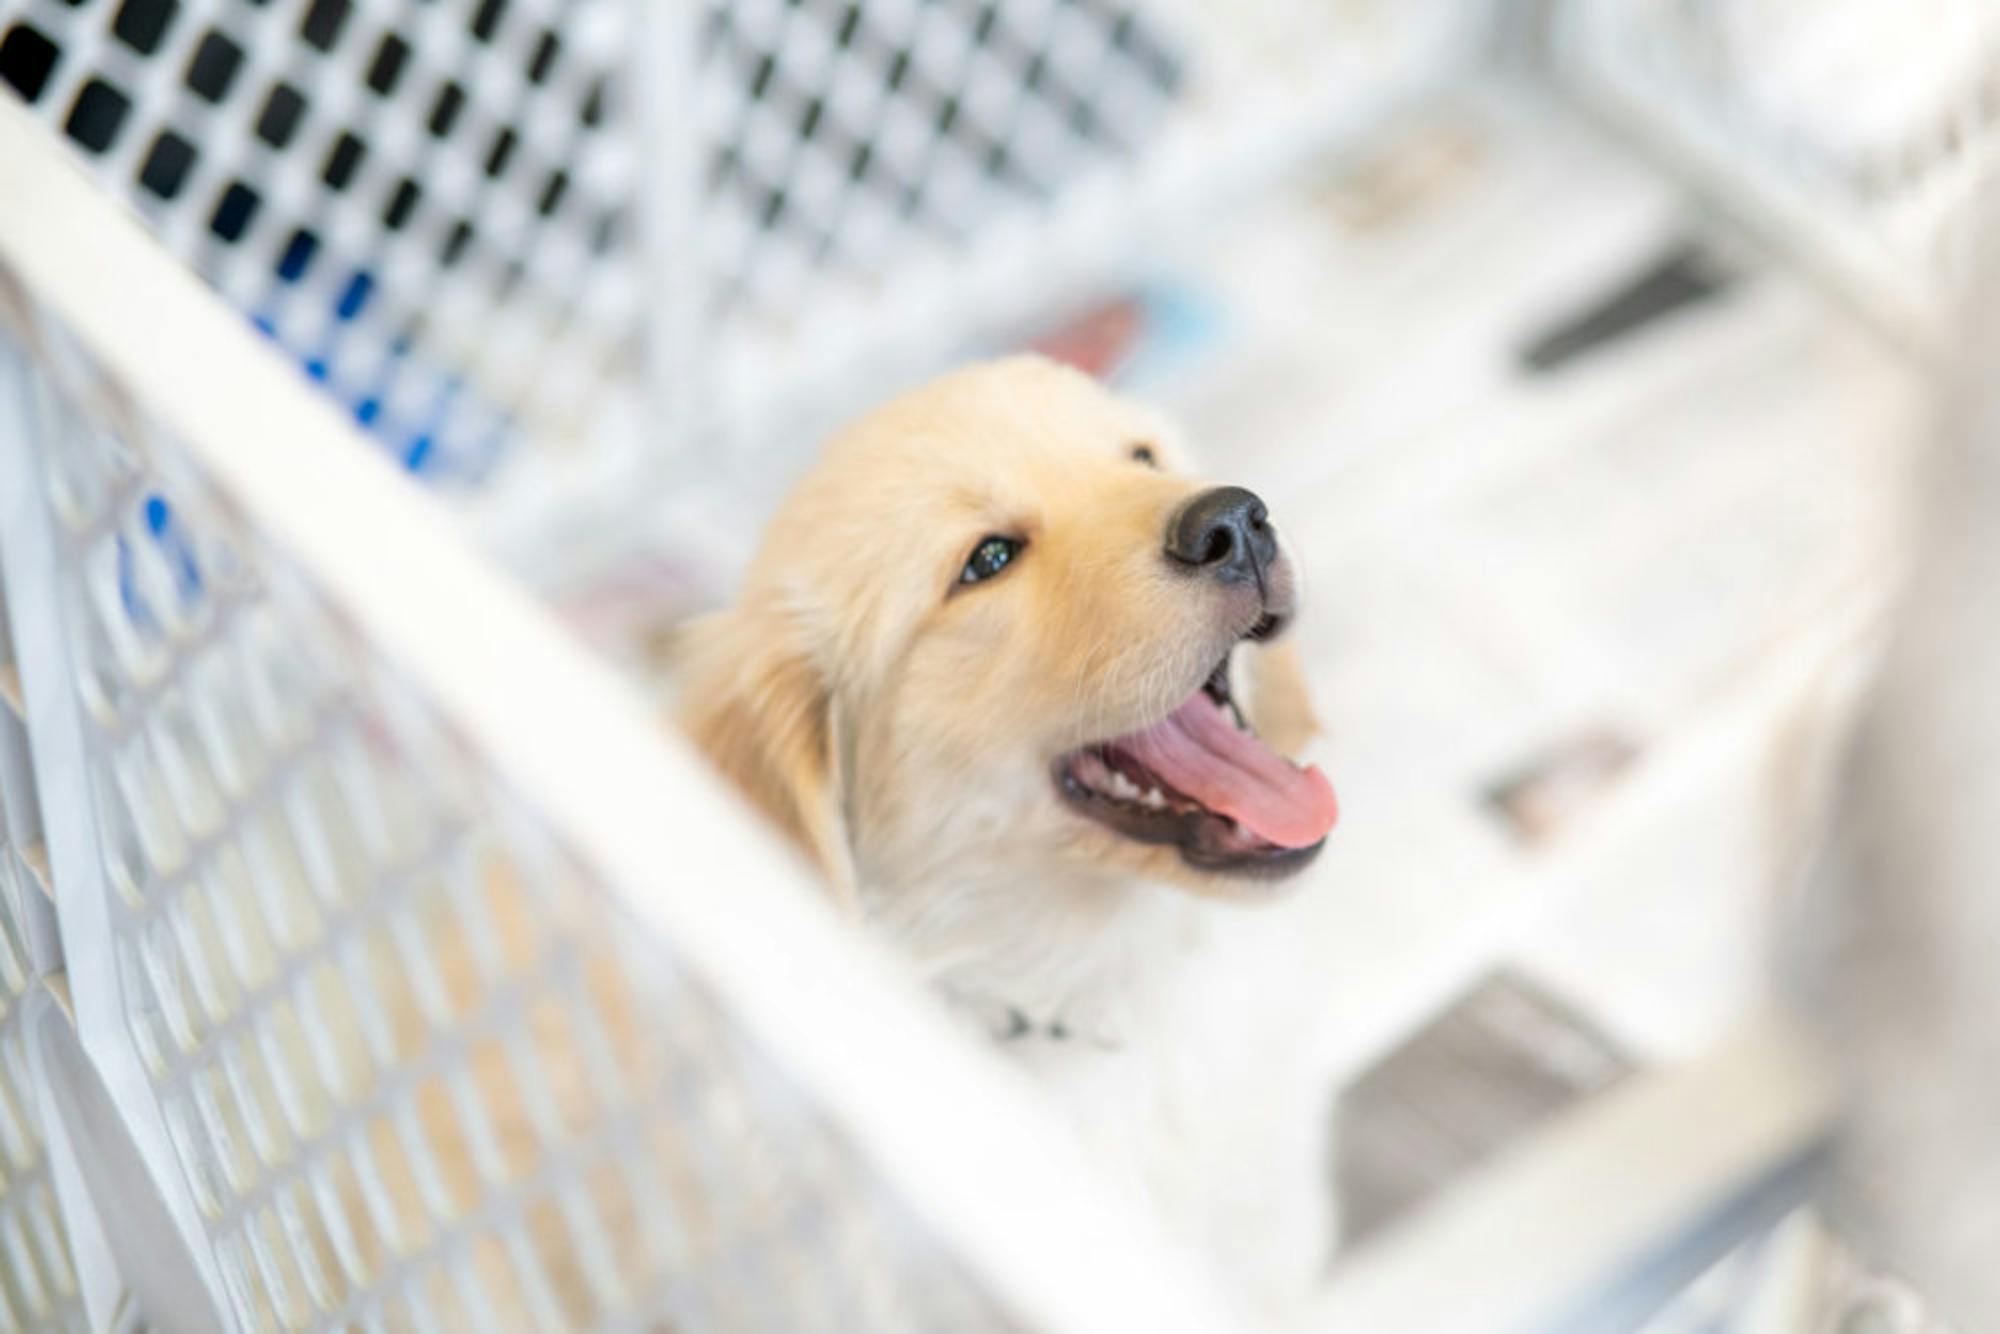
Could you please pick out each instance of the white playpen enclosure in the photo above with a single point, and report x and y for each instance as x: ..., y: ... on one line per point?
x: 370, y: 957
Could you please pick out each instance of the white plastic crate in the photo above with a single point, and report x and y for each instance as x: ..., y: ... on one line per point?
x: 422, y: 1008
x: 1853, y: 133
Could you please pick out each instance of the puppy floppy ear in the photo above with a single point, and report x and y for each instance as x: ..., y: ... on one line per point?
x: 753, y: 699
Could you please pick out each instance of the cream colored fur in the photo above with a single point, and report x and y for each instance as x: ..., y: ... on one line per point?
x: 902, y: 729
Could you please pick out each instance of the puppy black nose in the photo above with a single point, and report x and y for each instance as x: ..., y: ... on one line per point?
x: 1225, y: 532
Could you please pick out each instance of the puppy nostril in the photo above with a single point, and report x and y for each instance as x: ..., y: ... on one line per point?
x: 1222, y: 531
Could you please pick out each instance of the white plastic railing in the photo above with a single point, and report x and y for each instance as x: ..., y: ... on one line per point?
x: 1601, y: 1219
x: 39, y: 1284
x: 1853, y: 135
x: 431, y: 982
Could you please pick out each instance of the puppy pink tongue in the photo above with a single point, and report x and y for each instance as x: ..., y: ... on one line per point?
x: 1202, y: 754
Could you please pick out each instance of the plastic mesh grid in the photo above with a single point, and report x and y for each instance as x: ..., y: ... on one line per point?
x: 374, y: 181
x: 416, y: 1069
x: 844, y: 133
x: 370, y: 181
x: 38, y: 1282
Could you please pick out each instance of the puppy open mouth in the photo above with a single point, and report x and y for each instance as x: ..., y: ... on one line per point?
x: 1201, y: 780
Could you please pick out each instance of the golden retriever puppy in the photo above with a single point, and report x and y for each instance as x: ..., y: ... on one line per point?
x: 1005, y: 670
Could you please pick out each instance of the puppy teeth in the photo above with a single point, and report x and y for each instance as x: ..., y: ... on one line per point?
x: 1091, y: 771
x: 1154, y: 798
x: 1123, y: 787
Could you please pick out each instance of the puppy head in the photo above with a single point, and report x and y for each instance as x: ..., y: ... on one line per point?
x: 999, y: 625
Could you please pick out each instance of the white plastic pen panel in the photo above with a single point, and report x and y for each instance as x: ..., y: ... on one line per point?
x: 436, y: 987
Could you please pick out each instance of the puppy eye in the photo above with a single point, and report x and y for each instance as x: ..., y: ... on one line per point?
x: 1144, y: 454
x: 992, y: 555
